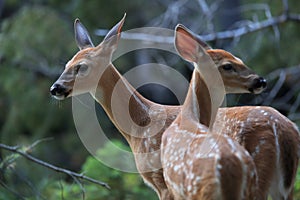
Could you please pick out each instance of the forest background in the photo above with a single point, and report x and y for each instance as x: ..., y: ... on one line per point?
x: 37, y: 39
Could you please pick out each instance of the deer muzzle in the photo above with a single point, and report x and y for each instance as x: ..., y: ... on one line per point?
x: 258, y: 85
x: 59, y: 91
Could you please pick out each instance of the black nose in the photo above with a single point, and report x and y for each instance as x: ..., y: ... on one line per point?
x: 57, y: 89
x: 260, y: 83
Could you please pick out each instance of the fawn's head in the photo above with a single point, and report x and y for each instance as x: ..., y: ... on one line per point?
x: 87, y: 65
x: 237, y: 77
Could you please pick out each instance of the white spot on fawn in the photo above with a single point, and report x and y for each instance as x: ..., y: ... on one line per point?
x: 154, y: 141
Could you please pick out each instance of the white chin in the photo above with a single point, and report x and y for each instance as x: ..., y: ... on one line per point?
x: 60, y: 97
x: 258, y: 91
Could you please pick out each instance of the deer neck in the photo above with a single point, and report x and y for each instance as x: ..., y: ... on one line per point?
x: 201, y: 105
x: 121, y: 101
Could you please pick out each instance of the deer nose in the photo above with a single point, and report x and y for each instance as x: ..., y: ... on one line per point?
x: 57, y: 89
x: 260, y: 83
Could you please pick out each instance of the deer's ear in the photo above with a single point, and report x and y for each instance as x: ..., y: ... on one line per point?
x: 82, y: 36
x: 115, y: 33
x: 188, y: 44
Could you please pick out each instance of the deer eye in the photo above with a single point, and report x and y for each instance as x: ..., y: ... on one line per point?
x: 81, y: 69
x: 228, y: 67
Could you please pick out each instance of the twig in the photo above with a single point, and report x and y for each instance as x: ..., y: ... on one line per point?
x: 81, y: 187
x: 294, y: 116
x: 276, y: 88
x: 15, y: 149
x: 170, y: 16
x: 11, y: 190
x: 285, y: 5
x: 28, y: 183
x: 29, y: 148
x: 62, y: 189
x: 208, y: 13
x: 292, y: 74
x: 295, y: 105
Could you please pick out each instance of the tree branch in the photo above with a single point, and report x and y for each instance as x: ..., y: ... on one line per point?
x: 74, y: 175
x: 222, y: 35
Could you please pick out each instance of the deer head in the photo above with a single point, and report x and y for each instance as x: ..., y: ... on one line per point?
x: 237, y: 77
x: 86, y: 67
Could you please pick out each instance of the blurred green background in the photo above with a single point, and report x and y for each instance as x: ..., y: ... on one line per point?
x: 36, y: 40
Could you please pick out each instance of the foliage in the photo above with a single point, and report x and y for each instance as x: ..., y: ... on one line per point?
x: 55, y: 186
x: 123, y: 185
x: 21, y: 55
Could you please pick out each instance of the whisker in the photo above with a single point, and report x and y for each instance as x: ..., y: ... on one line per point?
x: 54, y: 101
x: 59, y: 104
x: 84, y: 104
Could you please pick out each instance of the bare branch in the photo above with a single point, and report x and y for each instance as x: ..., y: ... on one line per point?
x: 285, y: 5
x: 17, y: 150
x: 223, y: 35
x: 249, y: 28
x: 208, y: 13
x: 170, y: 16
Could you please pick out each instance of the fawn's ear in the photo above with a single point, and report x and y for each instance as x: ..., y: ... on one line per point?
x: 82, y: 36
x: 114, y: 34
x: 188, y: 44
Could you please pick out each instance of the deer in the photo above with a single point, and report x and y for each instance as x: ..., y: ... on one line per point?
x: 199, y: 163
x: 264, y: 141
